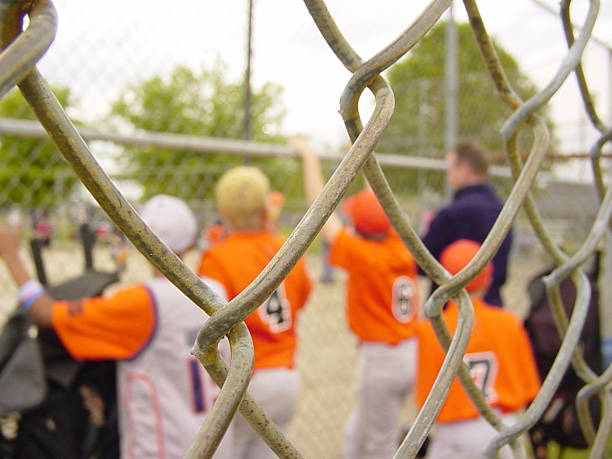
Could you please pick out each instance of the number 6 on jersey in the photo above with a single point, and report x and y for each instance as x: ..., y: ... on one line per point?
x: 402, y: 299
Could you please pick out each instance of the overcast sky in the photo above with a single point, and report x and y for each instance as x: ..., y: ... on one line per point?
x: 102, y: 45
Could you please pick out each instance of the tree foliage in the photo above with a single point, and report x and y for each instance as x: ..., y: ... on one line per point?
x: 418, y: 123
x: 202, y: 103
x: 33, y: 174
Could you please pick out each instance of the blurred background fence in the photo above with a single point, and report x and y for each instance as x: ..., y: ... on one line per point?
x: 128, y: 80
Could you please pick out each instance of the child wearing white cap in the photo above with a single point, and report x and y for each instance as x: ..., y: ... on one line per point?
x: 163, y: 392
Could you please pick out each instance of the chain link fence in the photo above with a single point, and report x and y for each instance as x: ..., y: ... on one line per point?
x: 40, y: 186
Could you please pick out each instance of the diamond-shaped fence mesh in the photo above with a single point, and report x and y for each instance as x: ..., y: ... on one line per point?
x: 141, y: 161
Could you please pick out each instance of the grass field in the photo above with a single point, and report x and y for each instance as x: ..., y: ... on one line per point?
x: 327, y: 352
x: 575, y: 453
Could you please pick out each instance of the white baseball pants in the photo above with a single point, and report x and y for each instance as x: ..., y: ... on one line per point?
x: 384, y: 381
x: 276, y: 390
x: 466, y: 439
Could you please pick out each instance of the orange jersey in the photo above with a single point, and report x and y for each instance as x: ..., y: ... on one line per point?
x: 235, y: 262
x: 115, y: 327
x: 498, y: 354
x: 382, y: 293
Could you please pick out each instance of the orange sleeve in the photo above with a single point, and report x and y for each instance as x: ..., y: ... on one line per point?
x: 117, y: 327
x: 341, y: 249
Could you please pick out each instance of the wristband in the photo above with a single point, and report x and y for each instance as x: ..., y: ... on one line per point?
x: 27, y: 304
x: 28, y: 289
x: 29, y: 292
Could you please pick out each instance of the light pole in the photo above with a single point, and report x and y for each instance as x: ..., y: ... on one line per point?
x: 246, y: 127
x: 450, y: 82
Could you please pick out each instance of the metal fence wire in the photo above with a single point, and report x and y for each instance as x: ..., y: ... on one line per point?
x: 22, y: 48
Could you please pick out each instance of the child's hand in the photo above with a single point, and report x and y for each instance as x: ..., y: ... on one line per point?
x: 301, y: 146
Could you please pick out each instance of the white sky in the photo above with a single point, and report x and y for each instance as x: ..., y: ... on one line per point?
x: 102, y: 45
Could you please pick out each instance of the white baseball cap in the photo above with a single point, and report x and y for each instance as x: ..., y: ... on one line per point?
x: 171, y: 220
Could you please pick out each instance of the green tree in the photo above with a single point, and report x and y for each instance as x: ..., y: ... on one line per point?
x: 33, y: 173
x: 202, y: 103
x: 417, y: 125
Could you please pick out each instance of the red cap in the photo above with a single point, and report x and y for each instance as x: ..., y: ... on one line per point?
x: 366, y: 213
x: 457, y: 256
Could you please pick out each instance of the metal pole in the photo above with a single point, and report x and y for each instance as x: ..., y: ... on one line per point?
x: 421, y: 134
x: 450, y: 82
x: 421, y: 145
x: 182, y: 142
x: 610, y: 85
x: 246, y: 130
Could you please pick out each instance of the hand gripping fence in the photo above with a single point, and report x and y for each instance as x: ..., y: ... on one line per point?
x: 23, y: 48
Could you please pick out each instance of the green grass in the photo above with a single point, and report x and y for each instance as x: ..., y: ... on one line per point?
x: 574, y: 453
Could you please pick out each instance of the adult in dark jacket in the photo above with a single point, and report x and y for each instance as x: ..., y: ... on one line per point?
x: 471, y: 213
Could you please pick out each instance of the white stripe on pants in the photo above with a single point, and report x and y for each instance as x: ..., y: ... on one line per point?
x: 385, y: 378
x: 466, y: 439
x: 276, y: 391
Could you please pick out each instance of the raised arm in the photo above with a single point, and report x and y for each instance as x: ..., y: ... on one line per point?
x: 313, y: 183
x: 31, y: 295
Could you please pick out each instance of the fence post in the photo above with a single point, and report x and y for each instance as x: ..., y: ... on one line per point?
x: 605, y: 299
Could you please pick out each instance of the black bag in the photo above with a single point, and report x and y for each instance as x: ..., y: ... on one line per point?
x: 559, y: 422
x: 52, y: 406
x: 22, y: 383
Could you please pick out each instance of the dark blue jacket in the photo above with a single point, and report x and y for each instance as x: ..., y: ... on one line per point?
x: 471, y: 215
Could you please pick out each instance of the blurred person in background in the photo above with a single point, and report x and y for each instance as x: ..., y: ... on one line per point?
x: 249, y: 211
x: 381, y: 308
x: 472, y: 212
x: 43, y: 230
x: 500, y: 360
x: 149, y: 328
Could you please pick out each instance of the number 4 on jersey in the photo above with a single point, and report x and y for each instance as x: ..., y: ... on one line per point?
x: 276, y: 311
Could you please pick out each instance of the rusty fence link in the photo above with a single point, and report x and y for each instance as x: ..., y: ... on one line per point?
x: 23, y: 48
